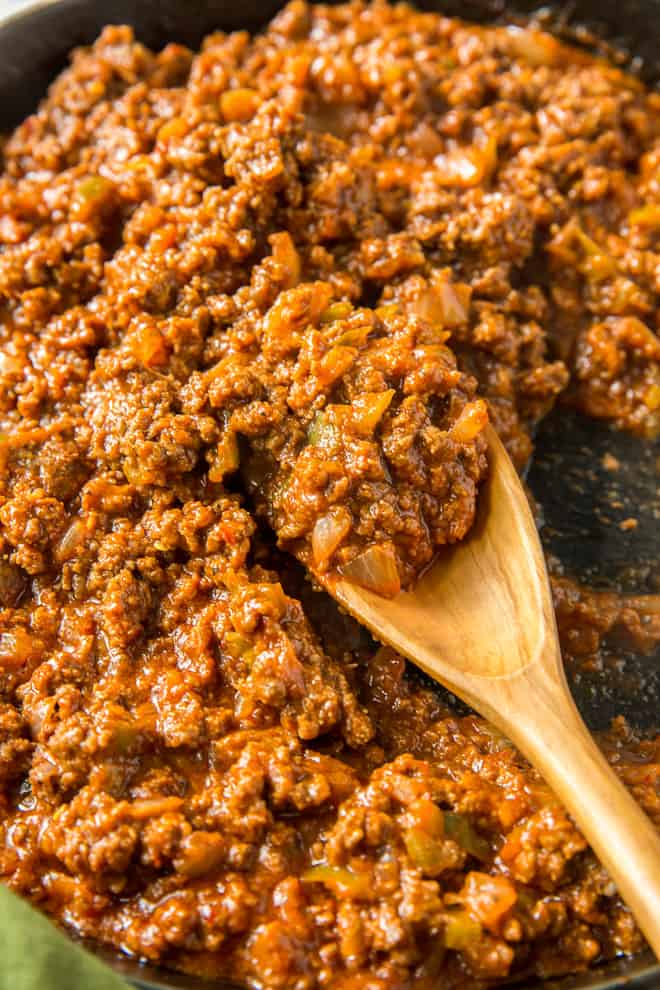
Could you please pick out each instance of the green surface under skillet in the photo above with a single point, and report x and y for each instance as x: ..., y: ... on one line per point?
x: 34, y: 955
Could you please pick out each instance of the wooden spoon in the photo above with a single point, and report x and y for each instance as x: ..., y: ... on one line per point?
x: 481, y: 622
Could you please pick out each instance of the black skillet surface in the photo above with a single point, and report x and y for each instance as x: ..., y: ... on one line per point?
x: 581, y: 501
x: 584, y: 504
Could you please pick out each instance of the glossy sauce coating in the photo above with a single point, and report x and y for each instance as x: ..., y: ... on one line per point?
x: 268, y: 292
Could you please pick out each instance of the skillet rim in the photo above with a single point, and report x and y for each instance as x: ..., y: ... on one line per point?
x: 632, y: 973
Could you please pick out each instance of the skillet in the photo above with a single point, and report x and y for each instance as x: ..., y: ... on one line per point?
x: 575, y: 493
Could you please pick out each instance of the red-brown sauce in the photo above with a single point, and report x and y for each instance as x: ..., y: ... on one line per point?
x: 275, y: 286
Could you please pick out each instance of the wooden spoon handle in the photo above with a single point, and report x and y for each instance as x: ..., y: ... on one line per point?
x: 548, y: 728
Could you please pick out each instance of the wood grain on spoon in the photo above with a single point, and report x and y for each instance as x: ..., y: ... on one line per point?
x: 481, y: 622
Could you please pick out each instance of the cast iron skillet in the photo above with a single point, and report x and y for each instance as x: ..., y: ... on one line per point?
x: 567, y: 477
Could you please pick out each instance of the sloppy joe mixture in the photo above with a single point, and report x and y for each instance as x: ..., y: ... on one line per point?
x: 258, y: 303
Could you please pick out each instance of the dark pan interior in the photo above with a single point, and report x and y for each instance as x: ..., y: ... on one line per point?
x: 567, y: 477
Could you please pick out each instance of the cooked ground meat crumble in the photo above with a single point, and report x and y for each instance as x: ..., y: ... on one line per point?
x: 277, y: 287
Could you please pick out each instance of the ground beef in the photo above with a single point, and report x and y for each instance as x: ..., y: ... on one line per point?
x: 363, y: 439
x: 261, y: 300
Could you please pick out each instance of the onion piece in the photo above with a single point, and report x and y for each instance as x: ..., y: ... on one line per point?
x: 471, y: 421
x: 454, y: 301
x: 369, y: 409
x: 490, y: 898
x: 538, y: 48
x: 329, y: 531
x: 73, y: 537
x: 388, y: 311
x: 374, y: 569
x: 286, y: 255
x: 10, y: 365
x: 335, y: 363
x: 18, y: 648
x: 443, y: 302
x: 466, y: 167
x: 573, y: 246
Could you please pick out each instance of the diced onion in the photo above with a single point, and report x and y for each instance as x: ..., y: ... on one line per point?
x: 573, y: 246
x: 238, y: 645
x: 536, y: 47
x: 388, y: 311
x: 639, y: 334
x: 172, y: 130
x: 16, y: 648
x: 336, y: 363
x: 286, y: 255
x: 490, y: 898
x: 329, y: 531
x: 454, y: 302
x: 72, y: 538
x: 466, y: 167
x: 374, y: 569
x: 369, y: 409
x: 444, y: 302
x: 10, y: 365
x: 470, y: 423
